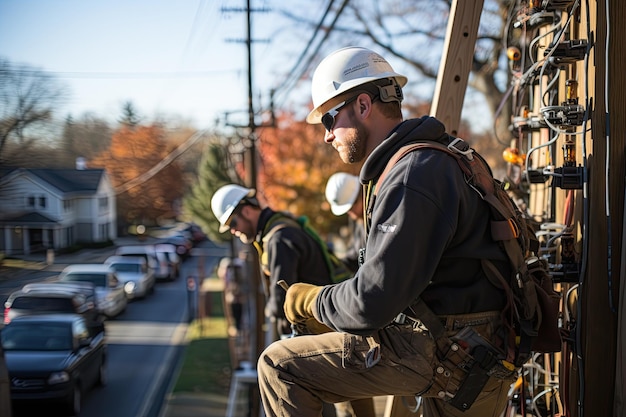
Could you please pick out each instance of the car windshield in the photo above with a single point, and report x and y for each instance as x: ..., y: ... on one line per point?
x: 99, y: 280
x: 43, y: 304
x: 37, y: 336
x: 127, y: 267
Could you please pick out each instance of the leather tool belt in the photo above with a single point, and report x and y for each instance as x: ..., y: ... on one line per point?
x: 465, y: 362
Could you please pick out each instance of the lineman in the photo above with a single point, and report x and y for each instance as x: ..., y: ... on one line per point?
x: 286, y: 253
x: 428, y: 232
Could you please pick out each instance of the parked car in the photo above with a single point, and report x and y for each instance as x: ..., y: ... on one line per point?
x: 197, y: 235
x: 172, y: 256
x: 133, y: 271
x: 110, y: 296
x: 5, y: 387
x: 43, y: 298
x: 53, y: 357
x: 183, y: 244
x: 159, y: 264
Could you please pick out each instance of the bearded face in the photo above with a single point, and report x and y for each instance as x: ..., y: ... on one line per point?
x: 351, y: 145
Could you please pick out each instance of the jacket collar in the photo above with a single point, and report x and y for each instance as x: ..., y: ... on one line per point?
x: 412, y: 130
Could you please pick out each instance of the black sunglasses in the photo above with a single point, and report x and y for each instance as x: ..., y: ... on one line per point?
x: 328, y: 119
x: 233, y: 217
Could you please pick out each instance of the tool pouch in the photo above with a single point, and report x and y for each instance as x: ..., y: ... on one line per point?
x: 465, y: 361
x: 449, y: 370
x: 460, y: 376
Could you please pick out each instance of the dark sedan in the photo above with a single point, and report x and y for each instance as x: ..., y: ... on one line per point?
x: 53, y: 358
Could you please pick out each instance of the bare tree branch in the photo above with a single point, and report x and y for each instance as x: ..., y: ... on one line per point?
x: 27, y: 100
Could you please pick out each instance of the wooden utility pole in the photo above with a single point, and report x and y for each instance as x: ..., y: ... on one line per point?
x: 250, y: 163
x: 456, y: 63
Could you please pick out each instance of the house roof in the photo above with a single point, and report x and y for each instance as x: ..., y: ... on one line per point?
x: 65, y: 180
x: 70, y: 180
x: 27, y: 218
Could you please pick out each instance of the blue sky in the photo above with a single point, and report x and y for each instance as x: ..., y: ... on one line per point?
x: 168, y: 57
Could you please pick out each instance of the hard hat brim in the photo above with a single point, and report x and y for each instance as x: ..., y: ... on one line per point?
x: 315, y: 116
x: 340, y: 210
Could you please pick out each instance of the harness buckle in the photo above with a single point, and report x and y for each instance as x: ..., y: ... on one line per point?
x: 400, y: 319
x: 458, y: 145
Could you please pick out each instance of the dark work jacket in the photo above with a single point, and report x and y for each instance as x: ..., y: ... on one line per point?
x: 292, y: 255
x: 429, y: 231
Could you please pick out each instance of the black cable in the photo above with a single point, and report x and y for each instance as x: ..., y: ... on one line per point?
x: 326, y: 35
x: 585, y: 238
x: 293, y: 76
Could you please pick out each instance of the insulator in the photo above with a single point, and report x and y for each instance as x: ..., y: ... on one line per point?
x: 513, y: 53
x: 513, y: 156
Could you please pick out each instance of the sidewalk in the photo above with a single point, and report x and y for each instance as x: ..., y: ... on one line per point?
x: 194, y: 405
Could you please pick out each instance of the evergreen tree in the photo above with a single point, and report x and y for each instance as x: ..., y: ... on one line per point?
x: 214, y: 171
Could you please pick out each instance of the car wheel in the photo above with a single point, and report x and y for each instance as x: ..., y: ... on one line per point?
x: 102, y: 374
x: 74, y: 401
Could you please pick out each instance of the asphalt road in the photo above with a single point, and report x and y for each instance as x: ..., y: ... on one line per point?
x: 144, y: 343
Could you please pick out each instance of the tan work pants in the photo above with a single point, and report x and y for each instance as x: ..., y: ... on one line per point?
x: 296, y: 375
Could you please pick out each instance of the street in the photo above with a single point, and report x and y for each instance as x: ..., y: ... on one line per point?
x: 144, y: 343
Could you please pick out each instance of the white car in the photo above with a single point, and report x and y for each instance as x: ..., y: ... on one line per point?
x: 169, y: 250
x: 110, y: 296
x: 133, y: 271
x: 159, y: 264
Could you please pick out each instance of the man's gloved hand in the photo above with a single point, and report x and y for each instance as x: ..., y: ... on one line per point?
x: 299, y: 305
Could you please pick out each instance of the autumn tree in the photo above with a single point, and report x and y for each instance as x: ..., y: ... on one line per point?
x: 215, y: 170
x: 295, y: 165
x: 148, y: 188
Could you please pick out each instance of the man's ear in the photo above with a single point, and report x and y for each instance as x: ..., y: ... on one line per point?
x: 364, y: 103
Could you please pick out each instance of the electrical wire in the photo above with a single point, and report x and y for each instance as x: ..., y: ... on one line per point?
x: 293, y: 75
x: 324, y: 38
x: 161, y: 164
x: 607, y: 160
x: 584, y: 231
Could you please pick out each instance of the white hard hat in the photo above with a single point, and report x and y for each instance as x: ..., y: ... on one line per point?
x: 342, y: 190
x: 225, y: 200
x: 343, y: 70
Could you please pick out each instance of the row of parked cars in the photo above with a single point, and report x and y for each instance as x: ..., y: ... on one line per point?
x: 54, y: 332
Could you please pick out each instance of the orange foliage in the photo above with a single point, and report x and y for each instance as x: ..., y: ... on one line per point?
x: 295, y: 164
x: 134, y: 151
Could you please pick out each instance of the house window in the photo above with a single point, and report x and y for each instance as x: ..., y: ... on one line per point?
x: 31, y: 201
x: 69, y: 235
x: 67, y: 205
x: 103, y: 203
x: 42, y: 202
x: 104, y: 231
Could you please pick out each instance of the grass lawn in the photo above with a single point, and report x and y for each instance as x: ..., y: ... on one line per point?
x: 206, y: 366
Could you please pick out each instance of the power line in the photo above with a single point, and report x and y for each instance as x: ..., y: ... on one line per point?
x: 119, y: 75
x: 319, y: 46
x: 161, y: 164
x: 293, y: 76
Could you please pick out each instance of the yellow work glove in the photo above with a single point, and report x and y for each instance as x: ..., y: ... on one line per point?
x: 299, y: 305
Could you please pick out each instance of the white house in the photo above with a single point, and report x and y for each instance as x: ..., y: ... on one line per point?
x: 44, y: 209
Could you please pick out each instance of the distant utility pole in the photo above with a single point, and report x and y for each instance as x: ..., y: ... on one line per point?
x: 250, y: 153
x: 258, y: 342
